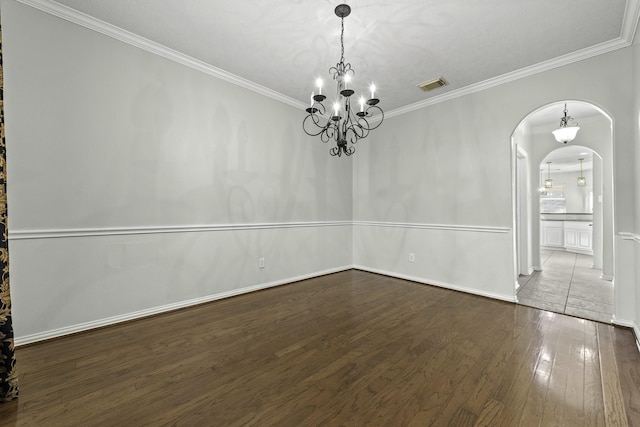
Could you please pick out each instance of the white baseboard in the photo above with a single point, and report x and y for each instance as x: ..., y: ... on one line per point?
x: 607, y: 277
x: 81, y: 327
x: 629, y: 324
x: 438, y: 284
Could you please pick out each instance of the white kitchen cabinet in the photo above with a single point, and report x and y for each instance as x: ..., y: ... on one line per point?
x: 585, y: 234
x: 571, y: 236
x: 552, y: 234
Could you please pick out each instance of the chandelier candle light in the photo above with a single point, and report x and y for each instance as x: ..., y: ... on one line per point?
x: 342, y: 124
x: 568, y: 128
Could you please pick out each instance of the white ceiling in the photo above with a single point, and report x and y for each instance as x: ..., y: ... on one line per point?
x: 565, y: 159
x: 285, y: 45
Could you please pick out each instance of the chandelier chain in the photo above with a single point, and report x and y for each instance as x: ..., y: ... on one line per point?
x: 342, y: 41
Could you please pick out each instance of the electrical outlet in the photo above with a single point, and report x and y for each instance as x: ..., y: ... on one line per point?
x: 260, y: 262
x: 412, y: 257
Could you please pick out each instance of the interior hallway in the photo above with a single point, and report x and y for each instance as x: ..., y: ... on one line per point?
x: 567, y: 284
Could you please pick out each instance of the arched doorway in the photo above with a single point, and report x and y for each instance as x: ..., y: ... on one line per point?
x: 533, y: 146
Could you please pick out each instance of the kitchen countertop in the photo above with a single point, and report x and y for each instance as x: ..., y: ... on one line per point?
x: 587, y: 217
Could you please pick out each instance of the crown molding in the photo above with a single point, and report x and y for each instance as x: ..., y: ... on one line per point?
x: 87, y: 21
x: 515, y: 75
x: 627, y: 33
x: 630, y: 21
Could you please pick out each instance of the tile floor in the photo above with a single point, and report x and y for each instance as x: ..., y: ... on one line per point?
x: 567, y: 284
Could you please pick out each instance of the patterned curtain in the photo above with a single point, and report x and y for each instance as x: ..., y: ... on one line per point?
x: 8, y: 374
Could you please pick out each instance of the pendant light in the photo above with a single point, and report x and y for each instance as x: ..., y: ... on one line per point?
x: 582, y: 181
x: 568, y: 128
x: 548, y: 183
x: 541, y: 188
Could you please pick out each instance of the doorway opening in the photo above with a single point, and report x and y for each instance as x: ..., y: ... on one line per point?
x: 563, y: 240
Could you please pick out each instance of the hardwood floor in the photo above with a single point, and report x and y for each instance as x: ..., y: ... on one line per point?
x: 351, y: 348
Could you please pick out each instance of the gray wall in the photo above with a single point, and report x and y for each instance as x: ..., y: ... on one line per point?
x: 137, y: 184
x: 441, y: 177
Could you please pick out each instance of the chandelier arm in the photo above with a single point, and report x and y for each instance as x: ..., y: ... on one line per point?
x: 320, y: 107
x: 358, y: 133
x: 315, y: 120
x: 369, y: 114
x: 359, y: 128
x: 362, y: 120
x: 334, y: 71
x: 327, y: 133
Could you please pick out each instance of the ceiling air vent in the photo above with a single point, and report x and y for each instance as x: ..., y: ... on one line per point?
x: 433, y: 84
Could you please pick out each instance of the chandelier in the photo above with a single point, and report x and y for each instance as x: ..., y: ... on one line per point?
x: 341, y: 123
x: 568, y: 128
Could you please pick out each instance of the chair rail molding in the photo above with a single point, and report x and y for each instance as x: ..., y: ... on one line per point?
x: 630, y: 236
x: 53, y: 233
x: 162, y: 229
x: 448, y: 227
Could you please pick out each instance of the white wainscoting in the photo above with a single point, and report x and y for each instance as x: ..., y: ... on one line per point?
x: 473, y: 259
x: 162, y: 309
x: 66, y: 281
x: 72, y: 280
x: 634, y: 238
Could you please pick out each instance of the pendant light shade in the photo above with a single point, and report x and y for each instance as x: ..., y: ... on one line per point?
x: 566, y: 134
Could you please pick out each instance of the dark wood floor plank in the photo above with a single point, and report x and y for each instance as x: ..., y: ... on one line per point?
x: 351, y: 348
x: 628, y: 363
x: 533, y: 410
x: 592, y: 377
x: 614, y: 407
